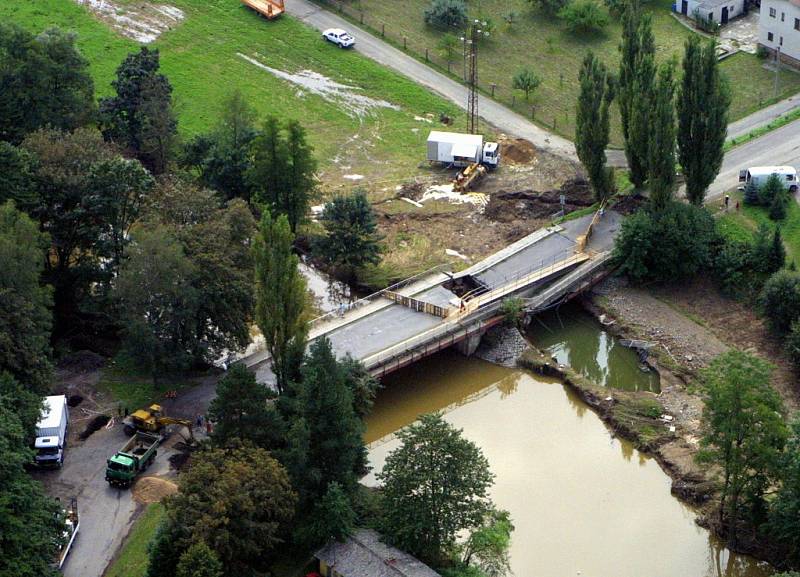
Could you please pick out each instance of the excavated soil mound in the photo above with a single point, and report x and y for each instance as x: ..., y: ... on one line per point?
x: 519, y: 151
x: 152, y: 489
x: 526, y: 204
x: 95, y: 425
x: 74, y: 400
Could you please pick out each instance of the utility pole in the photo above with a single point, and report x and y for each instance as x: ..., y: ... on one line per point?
x: 471, y: 40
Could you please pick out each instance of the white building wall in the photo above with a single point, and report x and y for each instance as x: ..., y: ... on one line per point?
x: 779, y: 26
x: 735, y: 9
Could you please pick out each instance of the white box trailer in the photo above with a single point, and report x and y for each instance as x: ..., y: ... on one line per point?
x: 457, y: 149
x: 759, y: 175
x: 51, y: 432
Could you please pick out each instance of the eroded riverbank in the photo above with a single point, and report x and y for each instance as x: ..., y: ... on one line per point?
x: 582, y: 499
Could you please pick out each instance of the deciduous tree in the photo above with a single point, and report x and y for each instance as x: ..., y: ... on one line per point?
x: 237, y: 501
x: 785, y: 510
x: 280, y: 298
x: 780, y: 300
x: 702, y: 108
x: 199, y: 561
x: 446, y: 14
x: 744, y: 432
x: 585, y: 16
x: 25, y: 317
x: 487, y: 547
x: 591, y: 125
x: 526, y: 80
x: 45, y: 83
x: 435, y: 486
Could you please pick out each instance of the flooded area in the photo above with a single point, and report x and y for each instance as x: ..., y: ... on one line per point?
x: 583, y: 502
x: 329, y: 294
x: 575, y: 339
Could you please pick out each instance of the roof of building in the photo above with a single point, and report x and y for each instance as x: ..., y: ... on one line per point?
x: 711, y: 4
x: 363, y: 555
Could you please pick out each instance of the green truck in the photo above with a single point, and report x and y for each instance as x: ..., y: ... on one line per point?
x: 135, y: 456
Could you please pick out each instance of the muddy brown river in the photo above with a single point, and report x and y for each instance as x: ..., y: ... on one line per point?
x: 583, y: 503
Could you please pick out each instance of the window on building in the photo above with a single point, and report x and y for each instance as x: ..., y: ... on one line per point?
x: 783, y: 16
x: 797, y: 23
x: 772, y: 12
x: 770, y: 36
x: 710, y: 16
x: 781, y: 41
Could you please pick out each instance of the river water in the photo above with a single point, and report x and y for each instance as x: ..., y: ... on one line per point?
x: 582, y: 502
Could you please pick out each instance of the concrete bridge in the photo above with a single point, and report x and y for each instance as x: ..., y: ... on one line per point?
x: 438, y: 309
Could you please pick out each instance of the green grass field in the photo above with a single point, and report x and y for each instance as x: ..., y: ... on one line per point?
x: 541, y: 42
x: 200, y: 58
x: 132, y: 558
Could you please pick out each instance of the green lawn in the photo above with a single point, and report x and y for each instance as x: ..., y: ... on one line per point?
x: 742, y: 225
x: 132, y: 558
x: 200, y: 58
x: 541, y: 43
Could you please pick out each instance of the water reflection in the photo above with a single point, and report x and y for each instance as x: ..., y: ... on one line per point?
x: 581, y: 500
x: 329, y: 293
x: 577, y: 340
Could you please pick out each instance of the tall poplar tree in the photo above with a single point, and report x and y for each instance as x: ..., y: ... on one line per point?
x: 280, y: 298
x: 591, y: 124
x: 301, y: 174
x: 661, y: 152
x: 636, y: 78
x: 702, y: 107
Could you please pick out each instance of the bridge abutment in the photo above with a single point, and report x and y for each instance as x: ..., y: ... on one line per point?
x: 469, y: 345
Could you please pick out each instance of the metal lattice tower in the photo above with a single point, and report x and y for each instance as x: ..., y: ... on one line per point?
x: 472, y: 101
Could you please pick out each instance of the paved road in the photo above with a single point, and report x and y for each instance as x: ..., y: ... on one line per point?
x: 106, y: 513
x: 779, y: 147
x: 763, y: 116
x: 501, y: 117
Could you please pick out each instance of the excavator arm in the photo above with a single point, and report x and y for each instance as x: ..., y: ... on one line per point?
x: 164, y: 421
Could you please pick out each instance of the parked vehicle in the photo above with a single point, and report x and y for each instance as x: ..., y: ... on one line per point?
x: 457, y: 149
x: 153, y: 420
x: 72, y: 525
x: 339, y: 37
x: 51, y: 432
x: 133, y: 458
x: 760, y: 174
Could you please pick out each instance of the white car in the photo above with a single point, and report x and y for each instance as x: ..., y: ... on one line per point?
x: 339, y: 36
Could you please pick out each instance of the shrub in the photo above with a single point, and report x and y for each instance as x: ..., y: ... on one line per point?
x: 751, y: 193
x: 792, y: 343
x: 732, y: 267
x: 779, y: 205
x: 584, y: 16
x: 446, y: 14
x: 550, y: 6
x: 780, y: 301
x: 668, y: 245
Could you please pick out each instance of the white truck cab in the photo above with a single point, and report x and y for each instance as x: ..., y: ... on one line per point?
x: 759, y: 175
x: 491, y: 155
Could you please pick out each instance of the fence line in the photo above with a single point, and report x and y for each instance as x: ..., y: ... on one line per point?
x: 455, y: 68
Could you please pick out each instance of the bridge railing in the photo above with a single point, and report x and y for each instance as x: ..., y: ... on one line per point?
x: 338, y: 313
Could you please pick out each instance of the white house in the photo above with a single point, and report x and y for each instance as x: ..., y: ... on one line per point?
x: 719, y: 11
x: 779, y: 29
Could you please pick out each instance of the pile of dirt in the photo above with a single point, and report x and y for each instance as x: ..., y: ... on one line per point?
x: 74, y: 400
x: 153, y: 490
x: 526, y: 204
x: 94, y: 425
x: 178, y: 460
x: 629, y: 204
x: 517, y: 151
x: 412, y: 190
x: 82, y: 362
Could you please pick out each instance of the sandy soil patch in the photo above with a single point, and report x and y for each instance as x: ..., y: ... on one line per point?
x: 140, y: 21
x: 354, y: 104
x: 152, y: 489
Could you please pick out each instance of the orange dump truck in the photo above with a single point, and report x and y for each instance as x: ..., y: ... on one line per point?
x: 268, y: 8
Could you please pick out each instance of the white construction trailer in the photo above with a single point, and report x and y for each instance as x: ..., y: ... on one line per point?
x: 457, y: 149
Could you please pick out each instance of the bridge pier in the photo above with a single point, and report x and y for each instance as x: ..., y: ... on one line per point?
x: 469, y: 345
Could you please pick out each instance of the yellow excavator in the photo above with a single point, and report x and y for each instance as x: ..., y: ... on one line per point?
x: 153, y: 420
